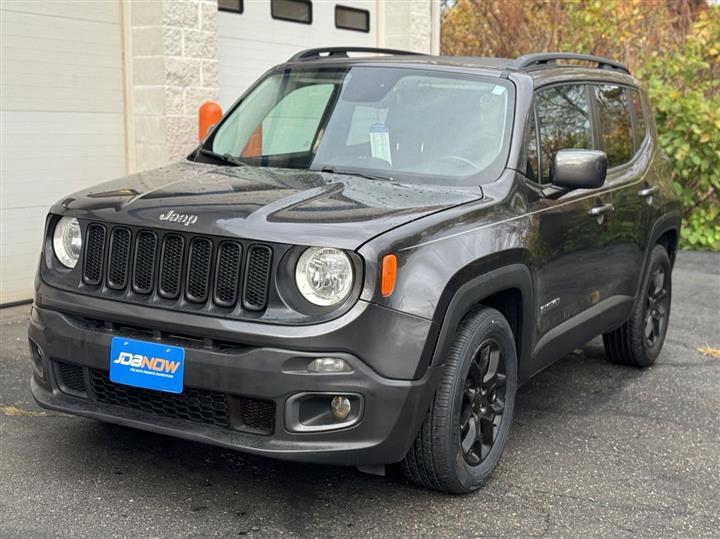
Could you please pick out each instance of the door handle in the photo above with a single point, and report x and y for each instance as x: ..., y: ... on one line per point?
x: 599, y: 210
x: 648, y: 191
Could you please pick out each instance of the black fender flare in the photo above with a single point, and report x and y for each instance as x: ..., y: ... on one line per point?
x: 513, y: 276
x: 669, y: 221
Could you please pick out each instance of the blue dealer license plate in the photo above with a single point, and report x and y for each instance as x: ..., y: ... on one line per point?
x: 146, y: 364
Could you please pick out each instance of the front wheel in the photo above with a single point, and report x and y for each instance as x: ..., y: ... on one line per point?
x: 465, y: 430
x: 639, y: 340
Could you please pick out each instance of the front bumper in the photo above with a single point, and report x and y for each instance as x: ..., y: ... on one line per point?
x: 392, y: 409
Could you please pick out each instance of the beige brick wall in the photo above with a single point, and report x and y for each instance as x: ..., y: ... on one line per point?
x: 408, y: 24
x: 171, y: 68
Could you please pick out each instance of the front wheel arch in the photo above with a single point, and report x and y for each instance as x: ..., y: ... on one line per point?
x: 496, y: 289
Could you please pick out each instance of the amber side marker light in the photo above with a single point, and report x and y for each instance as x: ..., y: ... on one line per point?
x: 389, y: 272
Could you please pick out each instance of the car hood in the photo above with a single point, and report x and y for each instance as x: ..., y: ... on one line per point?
x: 278, y: 205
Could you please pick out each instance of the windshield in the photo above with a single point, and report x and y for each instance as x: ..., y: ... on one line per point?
x: 417, y: 126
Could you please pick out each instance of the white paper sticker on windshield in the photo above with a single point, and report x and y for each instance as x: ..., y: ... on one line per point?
x: 498, y: 90
x: 380, y: 142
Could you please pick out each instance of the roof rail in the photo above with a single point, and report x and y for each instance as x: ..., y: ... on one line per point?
x: 342, y: 52
x: 541, y: 59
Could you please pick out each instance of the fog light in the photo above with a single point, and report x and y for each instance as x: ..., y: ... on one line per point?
x: 37, y: 354
x: 328, y: 364
x: 340, y: 407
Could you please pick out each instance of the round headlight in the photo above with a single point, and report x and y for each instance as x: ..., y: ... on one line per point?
x: 67, y: 241
x: 324, y: 275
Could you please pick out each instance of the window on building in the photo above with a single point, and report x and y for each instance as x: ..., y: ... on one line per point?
x: 292, y: 10
x: 563, y: 115
x: 350, y: 18
x: 236, y: 6
x: 640, y: 126
x: 615, y: 123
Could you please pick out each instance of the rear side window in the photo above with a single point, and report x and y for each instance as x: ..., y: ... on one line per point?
x: 640, y: 126
x: 616, y: 131
x: 563, y: 114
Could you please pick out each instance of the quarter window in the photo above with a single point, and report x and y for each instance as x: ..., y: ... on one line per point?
x: 640, y: 127
x: 292, y: 10
x: 531, y: 168
x: 350, y: 18
x: 563, y: 115
x: 615, y: 124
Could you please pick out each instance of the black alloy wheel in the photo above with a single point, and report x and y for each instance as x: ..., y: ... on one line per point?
x: 483, y: 403
x: 656, y: 306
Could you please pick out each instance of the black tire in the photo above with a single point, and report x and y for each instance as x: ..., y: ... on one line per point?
x: 469, y: 386
x: 638, y: 341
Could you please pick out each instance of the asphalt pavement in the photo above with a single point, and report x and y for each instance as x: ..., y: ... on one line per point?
x: 595, y: 450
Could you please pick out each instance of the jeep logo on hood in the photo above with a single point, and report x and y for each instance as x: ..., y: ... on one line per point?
x: 186, y: 219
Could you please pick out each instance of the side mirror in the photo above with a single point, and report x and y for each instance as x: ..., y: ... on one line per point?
x: 578, y: 169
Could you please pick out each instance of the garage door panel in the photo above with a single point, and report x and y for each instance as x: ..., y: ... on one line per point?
x: 55, y: 70
x: 82, y: 99
x: 60, y: 123
x: 59, y: 57
x: 48, y: 46
x: 107, y: 12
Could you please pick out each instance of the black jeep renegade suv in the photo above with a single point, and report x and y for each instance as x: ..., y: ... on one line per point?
x: 364, y: 260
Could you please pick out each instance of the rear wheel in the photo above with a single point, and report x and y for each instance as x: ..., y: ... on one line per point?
x: 465, y: 430
x: 639, y: 340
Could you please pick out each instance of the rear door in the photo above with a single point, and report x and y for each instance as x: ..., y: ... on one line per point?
x: 622, y: 136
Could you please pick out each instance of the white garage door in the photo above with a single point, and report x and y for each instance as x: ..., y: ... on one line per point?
x: 251, y: 42
x: 61, y: 119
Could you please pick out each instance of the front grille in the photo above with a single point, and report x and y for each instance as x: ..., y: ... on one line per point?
x: 71, y: 377
x: 182, y: 270
x: 201, y: 406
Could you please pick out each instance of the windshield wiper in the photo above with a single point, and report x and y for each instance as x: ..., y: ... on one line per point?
x: 366, y: 175
x: 226, y: 157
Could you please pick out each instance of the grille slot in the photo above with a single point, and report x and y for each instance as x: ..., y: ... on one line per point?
x: 257, y: 277
x: 224, y: 276
x: 171, y: 266
x: 118, y: 258
x: 143, y: 273
x: 227, y: 273
x: 93, y: 259
x: 198, y: 275
x: 72, y: 377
